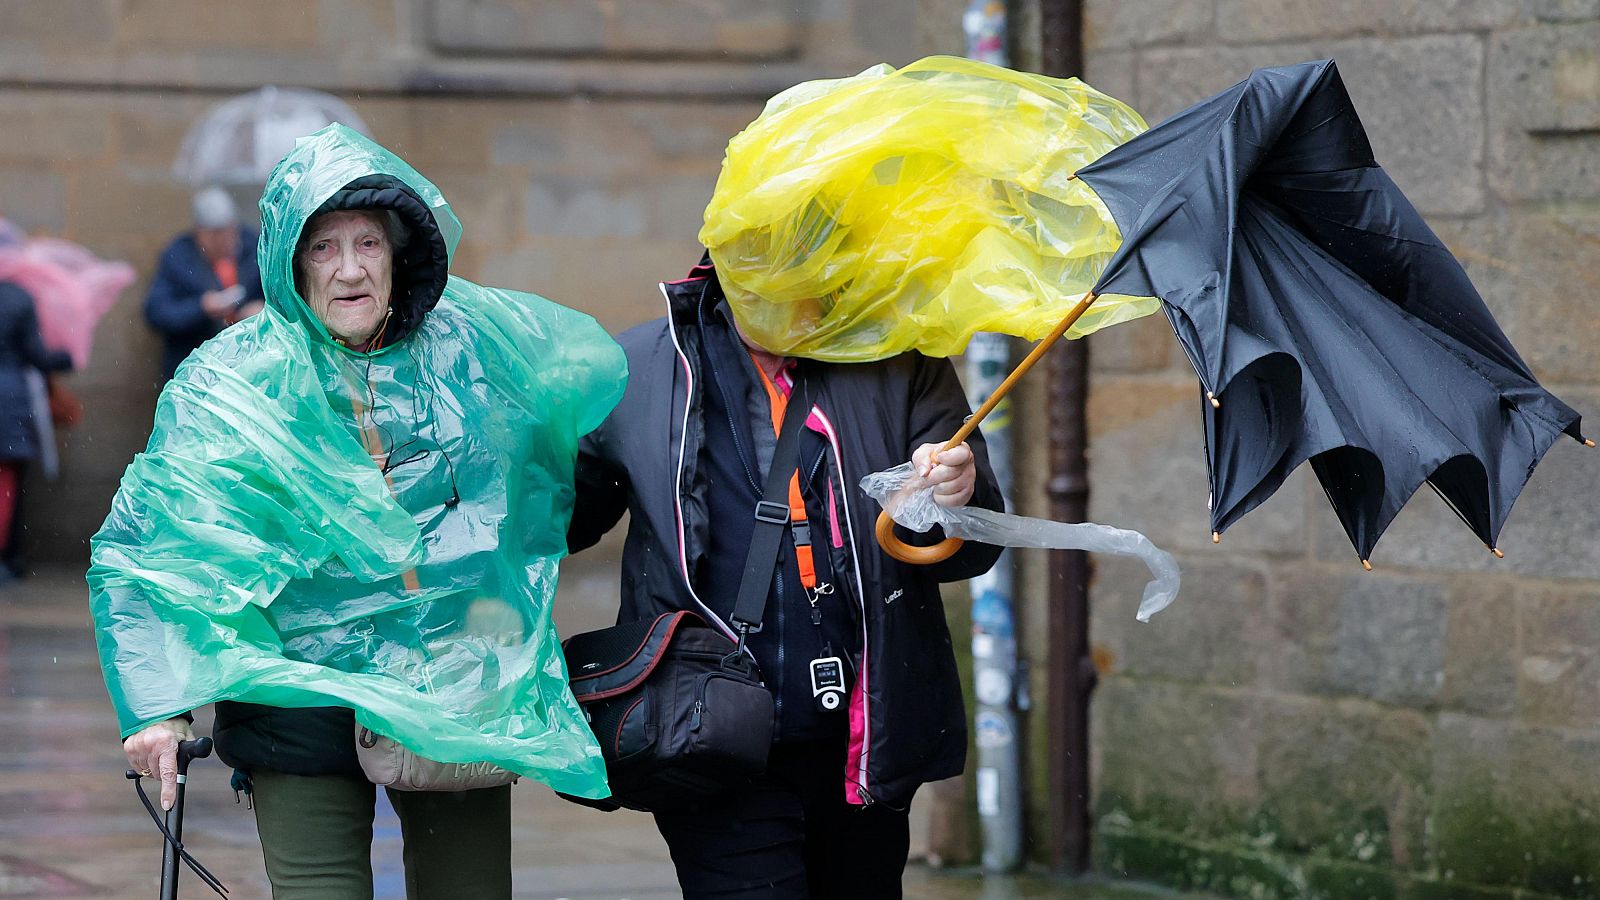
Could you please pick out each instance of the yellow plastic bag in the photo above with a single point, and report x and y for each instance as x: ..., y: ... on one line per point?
x: 862, y: 217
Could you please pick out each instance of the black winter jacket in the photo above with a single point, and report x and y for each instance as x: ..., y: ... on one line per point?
x: 907, y: 723
x: 20, y: 349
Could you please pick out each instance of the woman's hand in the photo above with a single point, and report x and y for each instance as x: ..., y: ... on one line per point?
x: 953, y: 473
x: 154, y: 749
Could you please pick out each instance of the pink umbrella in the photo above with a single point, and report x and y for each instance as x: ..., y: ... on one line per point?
x: 71, y: 287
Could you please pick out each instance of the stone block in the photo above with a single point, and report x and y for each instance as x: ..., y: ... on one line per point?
x: 752, y: 29
x: 1218, y: 869
x: 747, y: 29
x: 1217, y: 631
x: 1533, y: 267
x: 1439, y: 889
x: 439, y: 133
x: 1148, y: 471
x: 582, y: 207
x: 881, y: 29
x: 1114, y: 72
x: 1480, y: 656
x: 1347, y: 881
x: 156, y: 206
x: 1115, y: 24
x: 1368, y: 635
x: 486, y: 209
x: 676, y: 204
x: 1143, y: 345
x: 35, y: 199
x: 1176, y: 757
x: 60, y: 24
x: 1560, y: 657
x: 360, y: 29
x: 1563, y: 10
x: 1420, y: 98
x: 1345, y: 780
x: 197, y: 25
x: 1515, y: 805
x: 614, y: 281
x: 697, y: 132
x: 524, y: 266
x: 1262, y: 21
x: 536, y: 138
x: 938, y: 28
x: 479, y: 26
x: 1544, y: 113
x: 149, y: 130
x: 44, y: 127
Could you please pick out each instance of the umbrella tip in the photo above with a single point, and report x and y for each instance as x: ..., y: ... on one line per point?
x: 1216, y: 537
x: 1497, y: 553
x: 1588, y: 443
x: 1073, y: 177
x: 1366, y: 565
x: 1215, y: 403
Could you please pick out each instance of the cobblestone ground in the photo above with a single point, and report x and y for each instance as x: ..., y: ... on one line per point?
x: 70, y: 825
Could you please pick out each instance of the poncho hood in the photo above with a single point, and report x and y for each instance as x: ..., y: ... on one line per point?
x: 313, y: 526
x: 340, y: 169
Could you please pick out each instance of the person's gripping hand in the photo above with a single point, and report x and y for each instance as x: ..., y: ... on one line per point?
x: 953, y: 473
x: 154, y: 749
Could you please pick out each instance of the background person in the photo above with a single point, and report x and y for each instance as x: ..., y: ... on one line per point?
x: 205, y: 280
x: 20, y: 349
x: 357, y: 501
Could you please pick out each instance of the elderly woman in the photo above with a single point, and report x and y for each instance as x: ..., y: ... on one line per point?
x: 350, y: 517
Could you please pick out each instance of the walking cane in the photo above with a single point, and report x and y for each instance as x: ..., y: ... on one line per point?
x: 172, y: 828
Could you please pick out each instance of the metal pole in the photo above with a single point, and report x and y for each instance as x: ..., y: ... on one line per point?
x: 1071, y: 675
x: 994, y: 634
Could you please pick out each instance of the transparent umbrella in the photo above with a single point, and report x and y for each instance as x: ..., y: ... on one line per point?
x: 240, y: 140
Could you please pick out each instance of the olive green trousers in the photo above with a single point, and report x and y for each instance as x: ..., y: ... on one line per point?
x: 316, y: 835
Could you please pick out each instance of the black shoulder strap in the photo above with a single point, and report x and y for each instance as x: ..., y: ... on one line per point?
x: 772, y: 514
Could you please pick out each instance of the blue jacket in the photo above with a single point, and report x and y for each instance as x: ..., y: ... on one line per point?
x: 21, y: 348
x: 183, y: 274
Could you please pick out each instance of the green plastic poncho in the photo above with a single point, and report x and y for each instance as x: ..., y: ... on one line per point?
x: 257, y: 552
x: 857, y: 218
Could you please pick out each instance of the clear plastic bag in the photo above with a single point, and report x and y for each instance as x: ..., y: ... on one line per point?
x: 909, y: 501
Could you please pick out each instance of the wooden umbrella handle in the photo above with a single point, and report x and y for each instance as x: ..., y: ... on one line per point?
x: 922, y: 556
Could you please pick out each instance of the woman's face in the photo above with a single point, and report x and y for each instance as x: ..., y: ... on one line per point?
x: 346, y: 269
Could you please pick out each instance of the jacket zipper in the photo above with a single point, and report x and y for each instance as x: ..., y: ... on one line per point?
x: 677, y: 482
x: 865, y: 673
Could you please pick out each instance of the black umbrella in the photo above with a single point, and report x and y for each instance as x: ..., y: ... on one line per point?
x: 1324, y: 318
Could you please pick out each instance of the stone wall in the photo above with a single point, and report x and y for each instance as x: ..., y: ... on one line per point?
x: 577, y: 139
x: 1294, y: 726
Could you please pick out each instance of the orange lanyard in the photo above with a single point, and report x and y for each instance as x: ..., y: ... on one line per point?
x: 797, y: 504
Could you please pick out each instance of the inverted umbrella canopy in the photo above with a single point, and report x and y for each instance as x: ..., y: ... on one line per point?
x: 1325, y: 319
x: 240, y: 140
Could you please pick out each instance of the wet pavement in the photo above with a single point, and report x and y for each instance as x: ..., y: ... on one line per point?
x: 70, y: 825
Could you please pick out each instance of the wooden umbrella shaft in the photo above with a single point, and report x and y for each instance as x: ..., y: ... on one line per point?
x: 943, y: 550
x: 1022, y: 368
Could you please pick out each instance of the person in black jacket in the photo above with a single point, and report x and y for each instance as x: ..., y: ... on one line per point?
x: 685, y: 453
x: 20, y: 349
x: 206, y: 279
